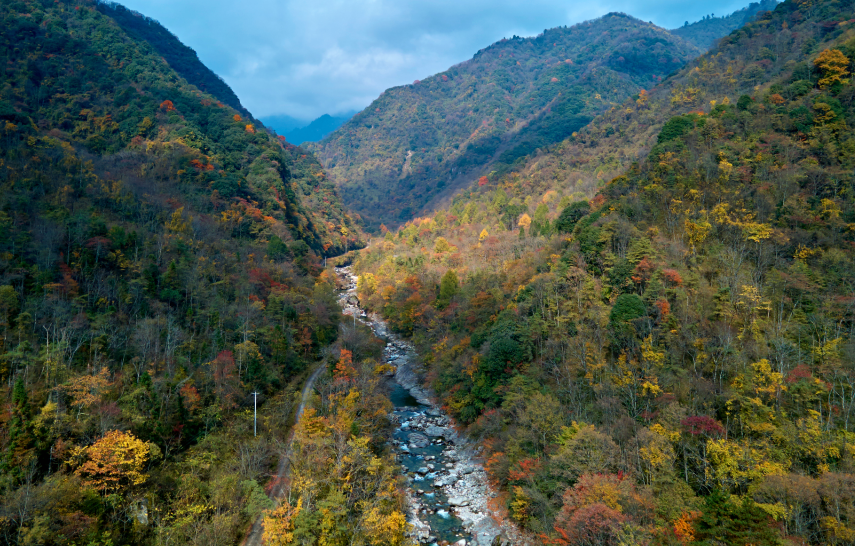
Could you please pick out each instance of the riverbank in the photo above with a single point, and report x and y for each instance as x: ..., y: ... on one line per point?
x: 448, y: 493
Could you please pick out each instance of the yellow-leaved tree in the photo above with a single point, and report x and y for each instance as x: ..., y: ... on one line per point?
x: 115, y: 463
x: 279, y: 524
x: 834, y: 66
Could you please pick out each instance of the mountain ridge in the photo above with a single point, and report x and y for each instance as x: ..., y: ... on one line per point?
x: 705, y: 32
x: 317, y: 130
x: 180, y: 57
x: 489, y: 103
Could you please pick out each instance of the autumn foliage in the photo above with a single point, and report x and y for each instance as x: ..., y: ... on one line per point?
x: 116, y: 462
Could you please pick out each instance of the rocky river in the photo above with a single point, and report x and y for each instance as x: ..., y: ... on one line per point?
x: 448, y: 492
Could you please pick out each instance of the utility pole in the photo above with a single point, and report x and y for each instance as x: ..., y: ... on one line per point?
x: 255, y: 414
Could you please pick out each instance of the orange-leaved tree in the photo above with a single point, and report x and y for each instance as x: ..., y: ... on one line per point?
x: 114, y: 463
x: 344, y: 370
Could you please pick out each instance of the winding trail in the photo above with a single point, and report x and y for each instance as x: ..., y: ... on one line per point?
x: 255, y: 533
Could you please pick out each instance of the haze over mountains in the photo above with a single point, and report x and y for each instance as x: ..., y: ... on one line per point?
x: 297, y: 132
x: 705, y: 32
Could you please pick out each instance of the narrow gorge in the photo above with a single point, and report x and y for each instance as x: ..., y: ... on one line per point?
x: 450, y: 500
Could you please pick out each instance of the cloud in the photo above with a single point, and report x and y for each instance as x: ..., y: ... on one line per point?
x: 328, y: 56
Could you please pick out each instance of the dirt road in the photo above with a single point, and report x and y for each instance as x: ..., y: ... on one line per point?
x: 254, y: 537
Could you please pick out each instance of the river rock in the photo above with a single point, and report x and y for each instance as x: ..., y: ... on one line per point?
x: 461, y: 542
x: 446, y: 480
x: 486, y: 532
x: 458, y: 501
x: 423, y: 470
x: 436, y: 431
x: 418, y: 440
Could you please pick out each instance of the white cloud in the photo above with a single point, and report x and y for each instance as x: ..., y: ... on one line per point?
x: 326, y: 56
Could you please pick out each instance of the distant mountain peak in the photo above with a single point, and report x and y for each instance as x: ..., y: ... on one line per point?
x: 705, y: 32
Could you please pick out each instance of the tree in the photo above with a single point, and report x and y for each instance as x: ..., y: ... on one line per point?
x: 542, y: 420
x: 725, y: 521
x: 626, y: 310
x: 834, y: 66
x: 441, y: 245
x: 85, y: 390
x: 584, y: 450
x: 276, y: 248
x: 114, y: 463
x: 279, y: 524
x: 447, y: 288
x: 8, y: 307
x: 571, y: 214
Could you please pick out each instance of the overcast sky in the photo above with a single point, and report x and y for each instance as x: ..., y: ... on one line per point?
x: 305, y: 58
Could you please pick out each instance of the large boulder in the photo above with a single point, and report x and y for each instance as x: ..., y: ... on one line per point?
x: 418, y: 440
x: 435, y: 431
x: 458, y: 501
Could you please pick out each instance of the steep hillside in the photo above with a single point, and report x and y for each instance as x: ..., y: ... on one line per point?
x: 181, y: 58
x: 417, y: 141
x: 662, y: 353
x: 111, y: 94
x: 705, y: 32
x: 159, y: 267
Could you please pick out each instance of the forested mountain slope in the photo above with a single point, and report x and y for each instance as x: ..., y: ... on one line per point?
x: 159, y: 262
x: 662, y: 354
x: 705, y: 32
x: 417, y: 141
x: 181, y: 58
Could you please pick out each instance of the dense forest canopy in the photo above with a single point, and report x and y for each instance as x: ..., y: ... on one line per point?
x: 651, y: 325
x: 636, y: 289
x: 160, y: 260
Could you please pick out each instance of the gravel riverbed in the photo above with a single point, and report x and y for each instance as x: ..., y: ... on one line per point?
x: 448, y: 491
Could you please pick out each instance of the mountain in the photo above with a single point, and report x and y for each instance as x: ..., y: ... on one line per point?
x: 283, y: 123
x: 705, y: 32
x: 160, y: 277
x: 650, y: 325
x: 181, y: 58
x: 419, y: 141
x: 316, y: 130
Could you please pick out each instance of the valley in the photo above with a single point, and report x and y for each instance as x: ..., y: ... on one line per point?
x: 594, y: 286
x: 449, y: 494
